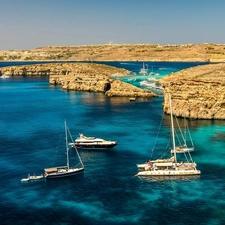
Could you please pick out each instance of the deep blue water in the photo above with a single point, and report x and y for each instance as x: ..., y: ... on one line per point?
x: 31, y: 122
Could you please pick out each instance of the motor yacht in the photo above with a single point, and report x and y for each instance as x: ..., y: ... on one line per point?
x: 83, y: 142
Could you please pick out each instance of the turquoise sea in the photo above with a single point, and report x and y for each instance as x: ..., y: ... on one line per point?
x: 32, y: 114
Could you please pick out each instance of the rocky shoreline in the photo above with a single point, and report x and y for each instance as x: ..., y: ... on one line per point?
x: 82, y: 77
x: 197, y: 92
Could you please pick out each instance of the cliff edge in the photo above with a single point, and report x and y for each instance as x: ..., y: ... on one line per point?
x: 197, y: 92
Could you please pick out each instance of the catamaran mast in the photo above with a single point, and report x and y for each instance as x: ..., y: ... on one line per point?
x: 67, y: 153
x: 172, y: 127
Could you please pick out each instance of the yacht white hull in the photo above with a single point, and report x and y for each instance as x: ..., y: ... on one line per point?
x: 95, y: 145
x: 84, y: 142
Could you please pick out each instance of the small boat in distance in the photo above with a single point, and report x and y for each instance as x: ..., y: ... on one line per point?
x: 144, y: 69
x: 132, y: 99
x: 34, y: 177
x: 83, y: 142
x: 65, y: 171
x: 183, y: 146
x: 3, y: 76
x: 183, y: 149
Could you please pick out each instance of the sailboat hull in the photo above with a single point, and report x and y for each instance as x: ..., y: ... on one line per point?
x: 183, y: 150
x: 64, y: 173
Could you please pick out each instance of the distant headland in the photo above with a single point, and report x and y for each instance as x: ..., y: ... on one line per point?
x: 205, y: 52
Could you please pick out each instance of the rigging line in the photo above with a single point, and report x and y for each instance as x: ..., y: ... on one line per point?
x: 77, y: 165
x: 177, y: 136
x: 162, y: 154
x: 57, y: 148
x: 190, y: 158
x: 189, y: 134
x: 180, y: 132
x: 75, y: 147
x: 157, y: 135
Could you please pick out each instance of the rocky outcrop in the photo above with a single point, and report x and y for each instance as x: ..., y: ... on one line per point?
x: 197, y: 92
x: 99, y: 82
x: 50, y: 69
x: 82, y: 77
x: 119, y: 88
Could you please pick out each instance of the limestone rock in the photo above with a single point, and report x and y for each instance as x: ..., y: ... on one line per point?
x: 82, y: 77
x: 119, y: 88
x: 197, y: 92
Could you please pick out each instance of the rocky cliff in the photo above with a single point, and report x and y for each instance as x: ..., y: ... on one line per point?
x: 197, y: 92
x: 82, y: 77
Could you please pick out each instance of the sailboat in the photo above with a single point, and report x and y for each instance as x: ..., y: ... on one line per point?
x: 183, y: 146
x: 65, y: 171
x: 170, y: 167
x: 144, y: 71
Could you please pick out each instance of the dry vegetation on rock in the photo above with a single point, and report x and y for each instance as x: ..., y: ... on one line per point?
x: 122, y: 52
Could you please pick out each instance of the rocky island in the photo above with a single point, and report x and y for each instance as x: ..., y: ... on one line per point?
x: 82, y: 77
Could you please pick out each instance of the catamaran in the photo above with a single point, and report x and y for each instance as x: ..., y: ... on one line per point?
x: 170, y: 166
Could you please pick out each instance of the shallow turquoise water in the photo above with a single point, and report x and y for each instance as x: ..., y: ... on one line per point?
x: 32, y: 116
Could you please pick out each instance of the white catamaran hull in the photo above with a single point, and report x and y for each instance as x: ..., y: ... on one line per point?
x: 168, y: 172
x: 147, y: 165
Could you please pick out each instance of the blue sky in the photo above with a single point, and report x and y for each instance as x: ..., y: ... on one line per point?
x: 27, y: 24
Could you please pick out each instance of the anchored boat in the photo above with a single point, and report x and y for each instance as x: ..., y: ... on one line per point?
x: 83, y: 142
x: 170, y: 166
x: 34, y: 177
x: 67, y: 170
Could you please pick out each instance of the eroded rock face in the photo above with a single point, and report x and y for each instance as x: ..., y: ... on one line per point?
x: 82, y: 77
x: 119, y: 88
x: 197, y: 92
x: 49, y: 69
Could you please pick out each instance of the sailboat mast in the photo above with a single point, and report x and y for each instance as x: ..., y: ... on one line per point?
x: 172, y: 127
x: 67, y: 153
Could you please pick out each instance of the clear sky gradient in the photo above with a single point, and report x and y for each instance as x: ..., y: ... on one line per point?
x: 28, y: 24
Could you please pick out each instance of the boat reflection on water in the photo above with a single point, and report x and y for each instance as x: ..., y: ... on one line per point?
x: 169, y: 178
